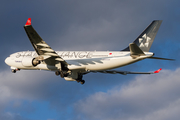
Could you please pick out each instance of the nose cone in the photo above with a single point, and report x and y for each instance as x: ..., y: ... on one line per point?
x: 8, y: 61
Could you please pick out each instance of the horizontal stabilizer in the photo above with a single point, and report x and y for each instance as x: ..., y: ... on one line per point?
x: 135, y: 50
x: 161, y: 58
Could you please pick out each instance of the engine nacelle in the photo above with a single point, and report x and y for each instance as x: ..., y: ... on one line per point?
x: 30, y: 62
x: 69, y: 79
x: 72, y: 76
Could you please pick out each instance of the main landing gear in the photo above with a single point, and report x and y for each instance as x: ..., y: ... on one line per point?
x: 80, y: 76
x: 61, y: 73
x: 81, y: 81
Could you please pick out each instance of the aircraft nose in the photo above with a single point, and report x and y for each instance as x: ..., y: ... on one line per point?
x: 7, y: 60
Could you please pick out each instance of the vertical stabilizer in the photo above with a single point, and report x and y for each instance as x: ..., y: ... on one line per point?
x: 146, y: 38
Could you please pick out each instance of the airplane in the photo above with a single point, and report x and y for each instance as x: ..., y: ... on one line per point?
x: 72, y: 65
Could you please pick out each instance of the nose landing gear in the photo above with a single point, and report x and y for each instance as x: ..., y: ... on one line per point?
x: 14, y: 70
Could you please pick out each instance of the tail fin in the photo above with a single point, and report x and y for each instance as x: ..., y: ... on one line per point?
x: 146, y: 38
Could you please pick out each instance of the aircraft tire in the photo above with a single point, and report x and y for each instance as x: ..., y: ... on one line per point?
x: 61, y: 74
x: 82, y: 82
x: 57, y: 73
x: 13, y: 71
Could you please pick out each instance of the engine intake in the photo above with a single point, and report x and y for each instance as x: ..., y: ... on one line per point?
x: 35, y: 62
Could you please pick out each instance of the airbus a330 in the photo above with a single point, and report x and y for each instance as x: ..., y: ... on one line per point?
x: 72, y: 65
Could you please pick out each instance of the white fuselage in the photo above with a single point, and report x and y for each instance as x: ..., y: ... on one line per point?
x: 77, y: 60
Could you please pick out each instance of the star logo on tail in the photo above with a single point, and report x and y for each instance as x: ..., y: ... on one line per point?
x: 144, y: 41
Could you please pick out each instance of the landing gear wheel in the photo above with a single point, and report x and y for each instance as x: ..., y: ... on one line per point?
x: 61, y: 74
x: 57, y: 73
x: 13, y: 71
x: 78, y: 81
x: 82, y: 82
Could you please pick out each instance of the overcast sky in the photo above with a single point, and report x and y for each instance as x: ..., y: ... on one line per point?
x: 91, y: 25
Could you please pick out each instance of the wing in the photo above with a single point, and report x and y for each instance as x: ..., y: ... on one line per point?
x: 125, y: 72
x: 44, y: 51
x: 80, y: 62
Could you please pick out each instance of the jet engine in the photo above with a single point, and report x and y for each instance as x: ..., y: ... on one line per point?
x: 74, y: 76
x: 30, y: 62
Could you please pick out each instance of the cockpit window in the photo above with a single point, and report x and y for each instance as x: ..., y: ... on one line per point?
x: 14, y: 55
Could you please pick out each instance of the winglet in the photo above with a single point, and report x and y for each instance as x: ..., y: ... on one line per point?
x: 28, y: 22
x: 157, y: 71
